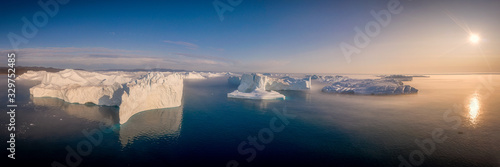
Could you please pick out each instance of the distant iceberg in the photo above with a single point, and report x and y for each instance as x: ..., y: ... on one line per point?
x: 32, y: 75
x: 258, y: 86
x: 369, y: 87
x: 256, y: 94
x: 202, y: 75
x: 401, y: 77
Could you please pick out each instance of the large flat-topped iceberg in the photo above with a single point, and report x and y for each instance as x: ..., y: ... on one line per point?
x: 370, y: 87
x: 152, y: 91
x: 258, y: 86
x: 131, y: 91
x: 81, y: 87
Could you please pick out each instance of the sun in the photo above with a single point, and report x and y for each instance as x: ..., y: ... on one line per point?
x: 473, y: 38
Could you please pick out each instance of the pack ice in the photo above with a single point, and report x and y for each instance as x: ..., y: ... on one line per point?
x: 346, y: 85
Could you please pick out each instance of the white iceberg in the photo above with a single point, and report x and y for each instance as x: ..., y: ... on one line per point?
x: 369, y: 87
x: 193, y: 75
x: 254, y: 87
x: 128, y: 90
x: 332, y: 79
x: 202, y: 75
x: 32, y: 75
x: 288, y: 83
x: 214, y: 74
x: 153, y: 91
x: 75, y: 86
x: 256, y: 94
x: 258, y: 86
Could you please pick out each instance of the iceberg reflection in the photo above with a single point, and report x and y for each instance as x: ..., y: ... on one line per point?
x: 152, y: 124
x: 104, y: 114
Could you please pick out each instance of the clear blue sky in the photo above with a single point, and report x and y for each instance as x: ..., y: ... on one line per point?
x: 259, y: 36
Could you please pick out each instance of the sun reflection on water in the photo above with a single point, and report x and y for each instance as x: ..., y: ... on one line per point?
x: 474, y: 109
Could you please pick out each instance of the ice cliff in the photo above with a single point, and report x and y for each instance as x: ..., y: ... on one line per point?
x: 132, y: 92
x: 153, y: 91
x: 75, y: 86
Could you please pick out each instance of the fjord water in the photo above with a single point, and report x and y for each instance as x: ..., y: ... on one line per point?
x: 322, y: 130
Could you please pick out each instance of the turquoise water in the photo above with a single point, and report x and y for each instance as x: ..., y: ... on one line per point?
x: 311, y: 128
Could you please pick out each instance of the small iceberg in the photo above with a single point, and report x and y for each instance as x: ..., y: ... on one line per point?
x: 256, y: 94
x: 259, y: 86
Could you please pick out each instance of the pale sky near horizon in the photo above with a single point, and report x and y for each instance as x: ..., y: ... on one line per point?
x: 286, y: 36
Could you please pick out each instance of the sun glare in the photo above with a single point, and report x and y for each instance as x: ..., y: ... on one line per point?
x: 474, y: 38
x: 474, y: 108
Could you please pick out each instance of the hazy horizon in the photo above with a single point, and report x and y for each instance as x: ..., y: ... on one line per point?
x: 418, y: 37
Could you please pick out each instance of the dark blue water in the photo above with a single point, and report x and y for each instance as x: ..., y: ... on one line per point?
x: 309, y: 128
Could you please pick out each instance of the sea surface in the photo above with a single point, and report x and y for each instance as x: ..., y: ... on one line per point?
x: 454, y: 120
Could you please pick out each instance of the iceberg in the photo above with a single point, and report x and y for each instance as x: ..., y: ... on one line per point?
x: 256, y: 94
x: 401, y: 77
x: 193, y: 75
x: 332, y: 79
x: 132, y: 92
x: 289, y: 83
x: 75, y: 86
x: 152, y: 91
x: 397, y: 77
x: 214, y: 75
x: 202, y: 75
x: 259, y: 86
x: 254, y: 87
x: 32, y: 75
x: 369, y: 87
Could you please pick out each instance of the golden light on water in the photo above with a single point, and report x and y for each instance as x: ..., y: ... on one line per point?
x: 474, y: 108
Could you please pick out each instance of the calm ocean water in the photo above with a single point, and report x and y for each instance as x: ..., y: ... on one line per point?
x: 452, y: 121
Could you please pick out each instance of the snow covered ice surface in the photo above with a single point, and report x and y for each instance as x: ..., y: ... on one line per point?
x: 369, y: 87
x: 75, y: 86
x: 133, y: 92
x: 258, y: 86
x: 202, y: 75
x: 33, y: 75
x: 256, y: 94
x: 153, y: 91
